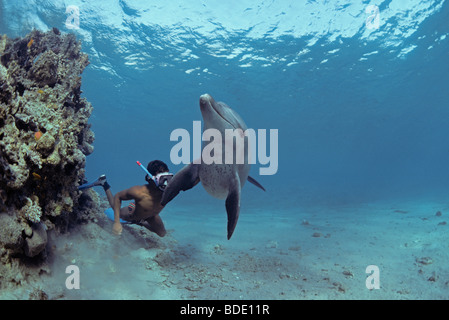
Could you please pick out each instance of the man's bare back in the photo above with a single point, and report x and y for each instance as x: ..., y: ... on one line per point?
x: 147, y: 202
x: 147, y: 208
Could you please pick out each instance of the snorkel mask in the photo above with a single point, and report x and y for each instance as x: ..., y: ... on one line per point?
x: 161, y: 180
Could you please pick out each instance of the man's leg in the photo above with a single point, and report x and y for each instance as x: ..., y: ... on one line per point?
x: 155, y: 225
x: 110, y: 197
x: 125, y: 212
x: 101, y: 181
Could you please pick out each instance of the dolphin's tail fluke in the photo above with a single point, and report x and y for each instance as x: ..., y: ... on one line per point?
x: 254, y: 182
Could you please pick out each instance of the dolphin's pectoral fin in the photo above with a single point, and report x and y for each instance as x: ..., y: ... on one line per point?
x: 254, y: 182
x: 233, y: 206
x: 184, y: 180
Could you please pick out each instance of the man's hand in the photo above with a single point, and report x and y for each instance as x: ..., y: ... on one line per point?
x: 117, y: 228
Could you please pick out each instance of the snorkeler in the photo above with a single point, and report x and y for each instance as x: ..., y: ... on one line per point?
x: 146, y: 207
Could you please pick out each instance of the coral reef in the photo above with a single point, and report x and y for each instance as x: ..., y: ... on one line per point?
x: 44, y: 140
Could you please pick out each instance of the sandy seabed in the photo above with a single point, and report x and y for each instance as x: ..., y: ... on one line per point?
x: 285, y: 253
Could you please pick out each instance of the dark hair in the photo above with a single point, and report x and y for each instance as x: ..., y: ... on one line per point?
x: 156, y: 166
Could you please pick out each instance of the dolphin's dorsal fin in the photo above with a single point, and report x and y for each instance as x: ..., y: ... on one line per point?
x: 254, y: 182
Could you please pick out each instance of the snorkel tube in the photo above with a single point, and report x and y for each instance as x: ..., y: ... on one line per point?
x: 161, y: 180
x: 145, y: 169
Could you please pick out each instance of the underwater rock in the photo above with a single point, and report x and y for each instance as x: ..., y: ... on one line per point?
x: 45, y: 69
x: 38, y: 294
x: 44, y: 140
x: 45, y: 145
x: 11, y: 233
x: 348, y: 273
x: 37, y: 242
x: 424, y: 261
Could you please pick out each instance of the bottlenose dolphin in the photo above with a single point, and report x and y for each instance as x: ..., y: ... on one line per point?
x: 222, y: 181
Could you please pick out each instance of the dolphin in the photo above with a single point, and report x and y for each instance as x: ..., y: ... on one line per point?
x: 221, y: 180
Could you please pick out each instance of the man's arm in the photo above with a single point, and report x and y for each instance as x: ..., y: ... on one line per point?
x: 127, y: 194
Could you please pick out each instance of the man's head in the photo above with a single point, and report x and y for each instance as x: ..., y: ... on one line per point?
x: 159, y: 171
x: 156, y: 166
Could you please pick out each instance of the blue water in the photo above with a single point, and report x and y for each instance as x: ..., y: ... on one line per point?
x: 362, y: 114
x: 352, y: 125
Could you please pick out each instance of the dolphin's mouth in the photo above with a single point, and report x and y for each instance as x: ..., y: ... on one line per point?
x: 207, y: 99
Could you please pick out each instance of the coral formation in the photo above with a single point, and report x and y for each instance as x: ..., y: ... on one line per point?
x: 32, y: 211
x: 44, y: 140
